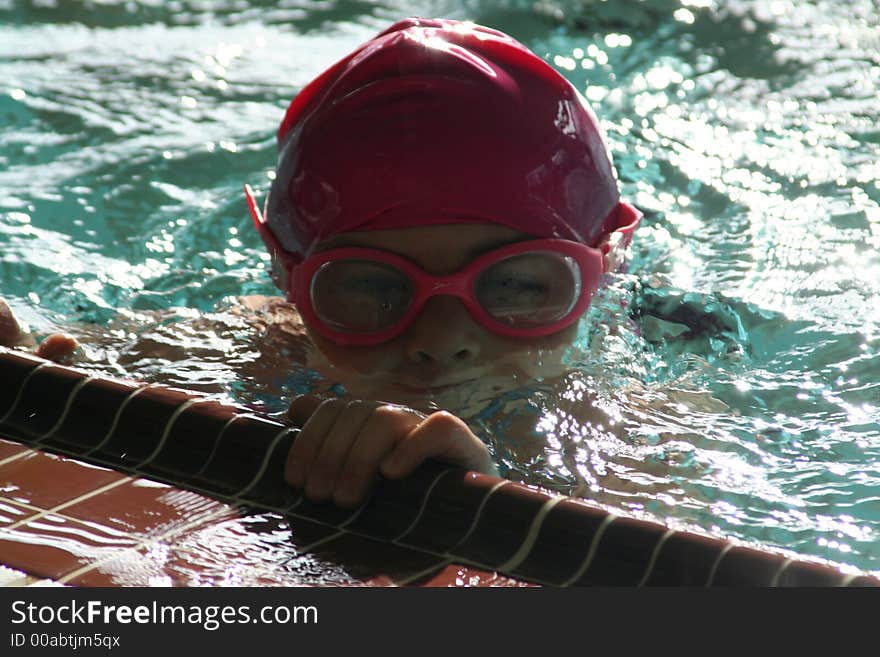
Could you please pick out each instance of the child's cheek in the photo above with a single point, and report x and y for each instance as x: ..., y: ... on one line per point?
x: 543, y: 357
x: 548, y: 344
x: 363, y: 360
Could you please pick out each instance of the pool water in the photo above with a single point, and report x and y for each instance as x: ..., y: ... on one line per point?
x: 742, y: 345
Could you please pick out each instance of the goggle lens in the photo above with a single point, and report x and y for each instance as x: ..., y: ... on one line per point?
x: 360, y: 296
x: 523, y: 291
x: 530, y: 289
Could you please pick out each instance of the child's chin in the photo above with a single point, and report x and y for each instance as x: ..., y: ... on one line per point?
x: 464, y: 399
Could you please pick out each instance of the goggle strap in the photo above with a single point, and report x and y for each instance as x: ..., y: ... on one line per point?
x: 282, y: 263
x: 626, y: 219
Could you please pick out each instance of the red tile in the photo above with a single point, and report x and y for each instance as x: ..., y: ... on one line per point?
x: 131, y: 567
x: 254, y: 550
x: 450, y: 511
x: 42, y: 400
x: 363, y: 559
x: 502, y: 526
x: 381, y: 581
x: 263, y: 549
x: 9, y: 448
x: 52, y: 546
x: 144, y: 508
x: 11, y: 513
x: 457, y: 575
x: 747, y: 566
x: 45, y: 480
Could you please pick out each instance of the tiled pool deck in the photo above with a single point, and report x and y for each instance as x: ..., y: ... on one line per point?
x: 113, y: 483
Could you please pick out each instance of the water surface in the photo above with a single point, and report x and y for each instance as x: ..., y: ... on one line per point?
x: 744, y: 338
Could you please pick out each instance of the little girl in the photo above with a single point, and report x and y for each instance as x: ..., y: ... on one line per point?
x: 443, y: 210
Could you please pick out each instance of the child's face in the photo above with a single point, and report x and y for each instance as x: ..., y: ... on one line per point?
x: 444, y: 352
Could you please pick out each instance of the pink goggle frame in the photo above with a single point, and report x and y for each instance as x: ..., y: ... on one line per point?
x: 294, y: 278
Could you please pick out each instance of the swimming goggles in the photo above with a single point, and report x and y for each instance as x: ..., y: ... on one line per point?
x: 365, y: 296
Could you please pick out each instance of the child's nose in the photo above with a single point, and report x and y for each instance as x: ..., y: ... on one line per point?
x: 443, y: 334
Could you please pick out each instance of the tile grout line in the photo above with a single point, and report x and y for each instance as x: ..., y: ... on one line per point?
x: 354, y: 516
x: 311, y: 546
x: 452, y: 558
x: 444, y: 561
x: 21, y: 454
x: 775, y: 581
x: 24, y: 505
x: 55, y: 509
x: 116, y: 417
x: 236, y: 497
x: 422, y: 508
x: 233, y: 500
x: 67, y: 404
x: 21, y: 391
x: 654, y: 554
x: 531, y: 536
x: 591, y: 552
x: 482, y: 566
x: 217, y: 440
x: 476, y: 519
x: 142, y: 544
x: 727, y: 548
x: 266, y: 458
x: 847, y: 579
x: 167, y: 430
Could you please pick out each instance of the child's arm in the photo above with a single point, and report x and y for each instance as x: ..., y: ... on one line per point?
x: 344, y: 444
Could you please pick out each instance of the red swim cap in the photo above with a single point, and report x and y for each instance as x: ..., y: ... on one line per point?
x: 441, y: 122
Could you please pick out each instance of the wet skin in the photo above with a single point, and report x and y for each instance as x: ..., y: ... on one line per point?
x: 59, y: 347
x: 404, y: 393
x: 343, y: 444
x: 444, y: 346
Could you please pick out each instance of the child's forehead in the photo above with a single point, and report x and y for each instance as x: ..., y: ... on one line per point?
x: 436, y: 246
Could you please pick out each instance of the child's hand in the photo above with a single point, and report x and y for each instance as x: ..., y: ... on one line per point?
x: 343, y: 444
x: 58, y: 346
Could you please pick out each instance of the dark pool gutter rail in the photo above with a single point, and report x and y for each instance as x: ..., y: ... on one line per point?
x: 192, y: 442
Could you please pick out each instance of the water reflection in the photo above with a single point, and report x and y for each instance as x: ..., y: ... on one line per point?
x: 741, y: 348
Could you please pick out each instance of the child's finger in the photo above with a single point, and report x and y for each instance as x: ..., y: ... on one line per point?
x: 443, y: 436
x: 301, y: 409
x: 11, y: 333
x: 385, y: 427
x: 58, y: 347
x: 9, y: 329
x: 308, y: 441
x: 331, y: 457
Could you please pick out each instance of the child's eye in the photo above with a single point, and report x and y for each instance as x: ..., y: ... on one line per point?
x: 378, y: 286
x: 360, y: 295
x: 513, y: 298
x: 529, y: 289
x: 512, y: 286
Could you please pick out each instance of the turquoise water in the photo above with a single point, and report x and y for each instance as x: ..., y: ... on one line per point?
x: 743, y: 342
